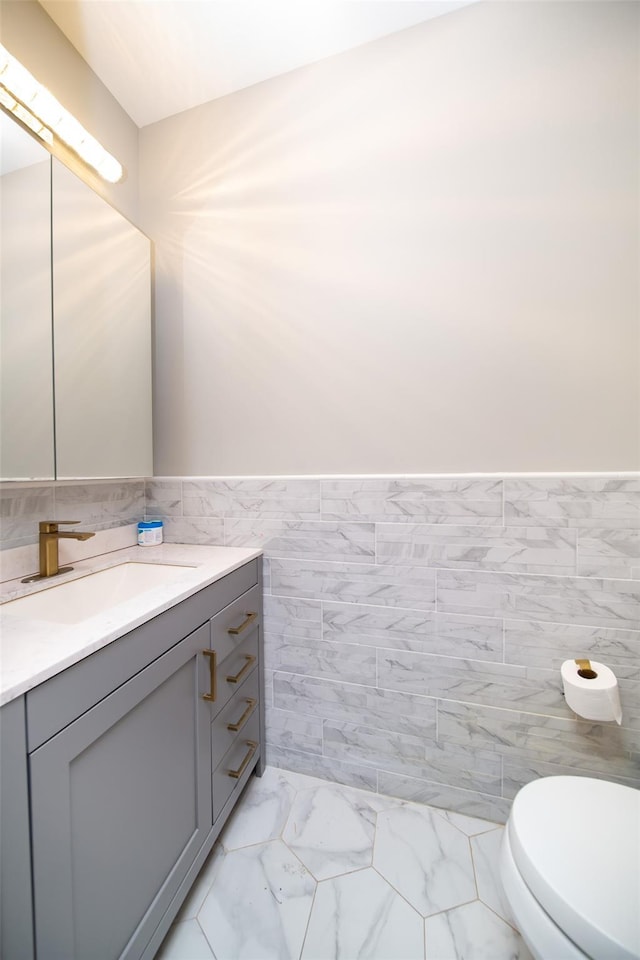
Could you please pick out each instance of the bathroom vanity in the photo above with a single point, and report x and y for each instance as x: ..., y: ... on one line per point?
x: 119, y: 770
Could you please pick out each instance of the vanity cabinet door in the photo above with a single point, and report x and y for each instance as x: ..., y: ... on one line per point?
x: 121, y: 805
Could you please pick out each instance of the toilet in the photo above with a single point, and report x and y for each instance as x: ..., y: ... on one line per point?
x: 570, y: 868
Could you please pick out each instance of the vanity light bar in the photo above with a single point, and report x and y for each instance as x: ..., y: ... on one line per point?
x: 30, y: 102
x: 12, y: 105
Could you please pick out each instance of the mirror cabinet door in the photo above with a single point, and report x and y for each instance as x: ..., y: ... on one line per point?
x: 102, y: 336
x: 26, y: 376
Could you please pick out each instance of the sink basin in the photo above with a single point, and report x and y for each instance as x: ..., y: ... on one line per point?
x: 77, y: 600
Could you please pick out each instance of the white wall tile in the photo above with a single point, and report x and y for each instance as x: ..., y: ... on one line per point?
x: 304, y: 539
x: 517, y: 549
x: 573, y: 501
x: 480, y: 638
x: 577, y: 600
x: 386, y: 586
x: 415, y: 627
x: 433, y: 500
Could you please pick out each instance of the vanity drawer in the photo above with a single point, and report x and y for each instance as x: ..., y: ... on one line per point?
x: 234, y: 670
x: 235, y: 622
x: 237, y: 713
x: 232, y: 770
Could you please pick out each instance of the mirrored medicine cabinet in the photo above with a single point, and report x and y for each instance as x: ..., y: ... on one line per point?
x: 75, y: 324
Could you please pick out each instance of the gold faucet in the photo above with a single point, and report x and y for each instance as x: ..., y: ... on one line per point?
x: 49, y: 537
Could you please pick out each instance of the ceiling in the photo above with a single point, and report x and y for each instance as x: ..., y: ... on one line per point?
x: 159, y: 57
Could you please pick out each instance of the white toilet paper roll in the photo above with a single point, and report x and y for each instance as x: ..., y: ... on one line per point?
x: 594, y: 698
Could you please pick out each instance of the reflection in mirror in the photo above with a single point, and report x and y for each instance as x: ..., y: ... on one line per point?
x: 102, y: 336
x: 26, y: 379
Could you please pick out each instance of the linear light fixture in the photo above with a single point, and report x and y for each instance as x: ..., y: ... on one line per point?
x: 22, y: 95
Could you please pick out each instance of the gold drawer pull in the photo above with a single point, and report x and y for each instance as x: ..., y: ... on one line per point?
x: 236, y: 774
x: 234, y: 727
x: 212, y: 675
x: 251, y: 659
x: 250, y: 617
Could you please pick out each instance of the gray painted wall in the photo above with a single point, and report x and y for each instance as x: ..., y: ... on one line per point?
x: 418, y: 256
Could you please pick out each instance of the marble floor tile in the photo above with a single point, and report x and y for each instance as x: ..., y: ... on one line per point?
x: 360, y: 915
x: 382, y: 865
x: 486, y: 859
x: 472, y: 932
x: 258, y: 905
x: 425, y: 858
x: 331, y: 830
x: 185, y: 941
x: 471, y: 826
x: 263, y: 811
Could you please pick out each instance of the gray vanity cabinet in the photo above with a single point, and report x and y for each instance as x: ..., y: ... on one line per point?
x: 121, y: 805
x: 136, y: 756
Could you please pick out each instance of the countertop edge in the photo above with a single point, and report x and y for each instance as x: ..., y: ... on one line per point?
x: 20, y: 678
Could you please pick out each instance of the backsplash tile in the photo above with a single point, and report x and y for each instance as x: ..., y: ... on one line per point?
x: 191, y: 530
x: 415, y: 626
x: 22, y: 506
x: 96, y: 504
x: 263, y: 498
x: 163, y: 498
x: 304, y: 539
x: 108, y: 503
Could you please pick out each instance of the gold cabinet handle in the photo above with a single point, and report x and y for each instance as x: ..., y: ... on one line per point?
x: 251, y: 659
x: 250, y: 617
x: 236, y: 774
x: 211, y: 696
x: 239, y: 724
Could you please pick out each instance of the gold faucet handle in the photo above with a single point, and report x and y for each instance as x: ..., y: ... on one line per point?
x: 51, y: 526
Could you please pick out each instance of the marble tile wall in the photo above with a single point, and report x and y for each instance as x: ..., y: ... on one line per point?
x: 415, y: 627
x: 109, y: 508
x: 97, y: 504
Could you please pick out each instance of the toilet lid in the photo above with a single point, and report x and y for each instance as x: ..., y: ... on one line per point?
x: 576, y: 843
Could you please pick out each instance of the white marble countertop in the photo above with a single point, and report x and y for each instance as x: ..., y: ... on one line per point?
x: 32, y: 651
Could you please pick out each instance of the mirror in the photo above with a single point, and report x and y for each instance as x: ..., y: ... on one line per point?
x: 26, y: 380
x: 75, y: 327
x: 101, y: 335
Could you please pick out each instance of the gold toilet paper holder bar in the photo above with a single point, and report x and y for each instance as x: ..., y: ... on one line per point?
x: 585, y: 669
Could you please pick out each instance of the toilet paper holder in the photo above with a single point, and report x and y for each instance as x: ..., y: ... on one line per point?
x: 585, y: 670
